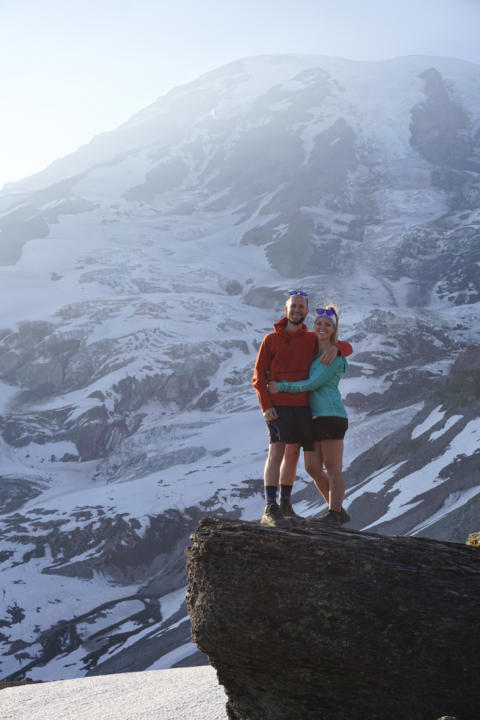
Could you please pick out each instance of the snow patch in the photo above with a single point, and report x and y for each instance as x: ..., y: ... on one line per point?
x: 452, y: 502
x: 450, y: 423
x: 174, y: 657
x: 419, y: 482
x: 433, y: 418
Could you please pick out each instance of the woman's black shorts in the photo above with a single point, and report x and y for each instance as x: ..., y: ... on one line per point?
x: 329, y: 428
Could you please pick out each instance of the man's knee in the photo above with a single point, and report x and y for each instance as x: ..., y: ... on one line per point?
x: 333, y: 468
x: 292, y: 452
x: 275, y: 452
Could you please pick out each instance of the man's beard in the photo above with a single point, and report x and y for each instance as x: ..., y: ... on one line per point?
x: 296, y: 322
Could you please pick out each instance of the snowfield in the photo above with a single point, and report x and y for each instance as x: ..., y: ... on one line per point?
x: 179, y: 694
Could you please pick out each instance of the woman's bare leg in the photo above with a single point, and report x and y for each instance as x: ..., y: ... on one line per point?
x: 332, y: 453
x: 314, y: 466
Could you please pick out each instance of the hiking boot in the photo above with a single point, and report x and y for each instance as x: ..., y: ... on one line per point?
x: 273, y: 516
x: 287, y: 510
x: 331, y: 517
x: 345, y: 517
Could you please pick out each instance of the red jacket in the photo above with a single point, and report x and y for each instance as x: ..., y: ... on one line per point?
x: 286, y: 356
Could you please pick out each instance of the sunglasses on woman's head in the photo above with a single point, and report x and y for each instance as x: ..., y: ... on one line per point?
x: 297, y: 292
x: 325, y: 311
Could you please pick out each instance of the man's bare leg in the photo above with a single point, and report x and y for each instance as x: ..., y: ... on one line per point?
x: 288, y: 472
x: 271, y: 474
x: 272, y: 514
x: 288, y: 468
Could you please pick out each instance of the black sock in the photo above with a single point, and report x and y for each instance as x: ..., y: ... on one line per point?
x: 271, y: 493
x: 285, y: 492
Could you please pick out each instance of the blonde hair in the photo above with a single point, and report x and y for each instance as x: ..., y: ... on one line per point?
x: 334, y: 307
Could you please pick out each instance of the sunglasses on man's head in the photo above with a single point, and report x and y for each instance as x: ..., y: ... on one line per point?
x: 297, y: 292
x: 325, y: 311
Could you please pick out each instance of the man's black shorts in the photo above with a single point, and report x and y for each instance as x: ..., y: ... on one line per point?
x: 293, y: 425
x: 329, y: 428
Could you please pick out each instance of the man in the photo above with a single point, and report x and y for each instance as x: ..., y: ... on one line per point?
x: 287, y: 354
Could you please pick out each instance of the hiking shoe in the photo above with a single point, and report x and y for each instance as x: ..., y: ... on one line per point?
x: 287, y: 510
x: 345, y: 517
x: 331, y: 517
x: 273, y: 516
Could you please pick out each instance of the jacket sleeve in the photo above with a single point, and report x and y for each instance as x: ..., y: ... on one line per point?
x: 260, y: 375
x: 344, y: 347
x: 322, y: 374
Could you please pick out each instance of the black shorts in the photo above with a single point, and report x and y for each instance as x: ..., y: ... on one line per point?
x: 293, y: 425
x: 329, y: 428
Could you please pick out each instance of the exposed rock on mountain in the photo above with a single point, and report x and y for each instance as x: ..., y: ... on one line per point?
x: 447, y: 420
x: 441, y: 129
x: 333, y: 624
x: 100, y: 545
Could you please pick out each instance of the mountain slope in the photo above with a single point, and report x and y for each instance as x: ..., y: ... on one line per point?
x: 140, y: 275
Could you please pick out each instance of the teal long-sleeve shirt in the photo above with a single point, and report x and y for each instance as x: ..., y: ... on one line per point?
x: 322, y: 384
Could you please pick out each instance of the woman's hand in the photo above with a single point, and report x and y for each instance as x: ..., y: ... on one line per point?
x: 272, y: 387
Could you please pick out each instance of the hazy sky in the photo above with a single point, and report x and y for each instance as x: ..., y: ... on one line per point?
x: 71, y: 69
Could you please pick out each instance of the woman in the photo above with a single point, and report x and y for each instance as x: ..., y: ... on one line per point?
x: 330, y: 420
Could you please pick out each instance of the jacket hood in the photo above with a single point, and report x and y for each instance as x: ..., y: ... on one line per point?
x: 280, y: 327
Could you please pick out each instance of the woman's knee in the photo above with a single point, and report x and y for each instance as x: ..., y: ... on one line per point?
x: 313, y: 464
x: 334, y: 469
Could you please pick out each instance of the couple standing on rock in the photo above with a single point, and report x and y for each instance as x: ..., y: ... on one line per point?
x: 296, y: 377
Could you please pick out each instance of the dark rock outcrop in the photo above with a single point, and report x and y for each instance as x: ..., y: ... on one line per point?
x: 439, y: 127
x: 322, y: 624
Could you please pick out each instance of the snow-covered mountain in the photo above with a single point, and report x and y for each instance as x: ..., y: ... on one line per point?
x: 138, y: 277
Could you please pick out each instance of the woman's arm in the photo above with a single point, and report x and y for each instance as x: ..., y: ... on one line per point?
x: 322, y: 374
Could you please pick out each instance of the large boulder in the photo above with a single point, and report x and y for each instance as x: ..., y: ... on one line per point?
x: 323, y: 624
